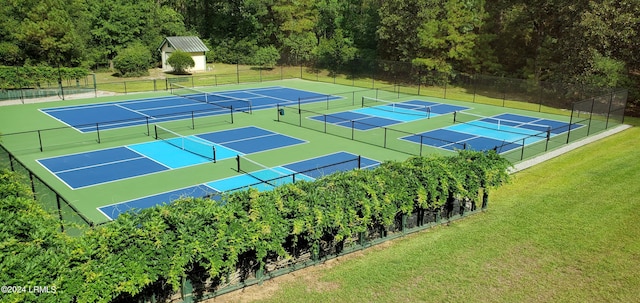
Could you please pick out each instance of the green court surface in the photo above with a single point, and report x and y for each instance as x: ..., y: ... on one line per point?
x: 19, y: 125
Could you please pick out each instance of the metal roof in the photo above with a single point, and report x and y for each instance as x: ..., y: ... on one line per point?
x: 189, y: 44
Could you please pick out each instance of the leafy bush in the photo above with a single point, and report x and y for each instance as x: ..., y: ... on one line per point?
x: 181, y: 61
x: 36, y: 76
x: 266, y: 56
x: 152, y: 251
x: 33, y: 252
x: 133, y: 61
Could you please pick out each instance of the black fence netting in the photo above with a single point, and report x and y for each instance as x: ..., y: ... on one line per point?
x: 71, y: 220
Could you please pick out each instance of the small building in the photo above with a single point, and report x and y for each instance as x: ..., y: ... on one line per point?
x: 190, y: 44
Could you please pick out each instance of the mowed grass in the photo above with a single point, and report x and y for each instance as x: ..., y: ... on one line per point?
x: 566, y: 230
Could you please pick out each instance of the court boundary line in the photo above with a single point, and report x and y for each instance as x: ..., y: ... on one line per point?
x: 65, y: 123
x: 99, y: 165
x: 148, y: 196
x: 356, y: 120
x: 217, y: 191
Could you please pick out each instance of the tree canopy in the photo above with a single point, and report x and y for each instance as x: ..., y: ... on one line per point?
x: 589, y: 42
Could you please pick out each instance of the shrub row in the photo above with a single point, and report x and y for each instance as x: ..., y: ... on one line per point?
x: 152, y: 251
x: 12, y: 77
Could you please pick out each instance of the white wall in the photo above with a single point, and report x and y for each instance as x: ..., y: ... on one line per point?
x: 199, y: 58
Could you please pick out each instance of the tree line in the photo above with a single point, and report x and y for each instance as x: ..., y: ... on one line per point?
x: 591, y: 42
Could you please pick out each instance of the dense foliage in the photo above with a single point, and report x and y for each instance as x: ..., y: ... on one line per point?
x: 156, y: 248
x: 37, y: 76
x: 180, y: 61
x: 591, y: 42
x: 133, y: 61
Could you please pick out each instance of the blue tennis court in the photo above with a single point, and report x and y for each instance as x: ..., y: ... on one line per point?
x: 114, y: 210
x: 111, y: 115
x: 503, y: 133
x: 115, y: 164
x: 263, y: 179
x: 377, y: 114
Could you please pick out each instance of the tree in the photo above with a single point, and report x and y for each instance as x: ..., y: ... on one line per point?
x: 43, y: 32
x: 118, y: 23
x: 295, y: 36
x: 133, y: 61
x: 181, y: 62
x: 335, y: 51
x: 266, y: 56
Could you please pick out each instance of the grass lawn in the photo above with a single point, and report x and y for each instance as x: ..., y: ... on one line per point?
x: 563, y: 231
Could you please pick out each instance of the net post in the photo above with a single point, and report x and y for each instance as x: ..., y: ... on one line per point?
x: 98, y: 131
x: 193, y: 123
x: 546, y: 147
x: 39, y: 141
x: 359, y: 161
x: 278, y: 112
x: 455, y: 114
x: 385, y: 137
x: 147, y: 122
x: 362, y: 102
x: 325, y: 123
x: 155, y: 131
x: 352, y: 129
x: 421, y: 145
x: 428, y: 112
x: 299, y: 106
x: 238, y: 163
x: 231, y: 110
x: 523, y: 146
x: 214, y: 154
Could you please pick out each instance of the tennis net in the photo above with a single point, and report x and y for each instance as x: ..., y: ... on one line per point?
x: 187, y: 143
x: 503, y: 125
x: 262, y: 173
x: 237, y: 104
x: 397, y: 107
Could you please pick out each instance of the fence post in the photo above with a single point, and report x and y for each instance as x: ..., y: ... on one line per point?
x: 60, y: 213
x: 445, y: 86
x: 95, y: 85
x: 606, y: 125
x: 186, y: 291
x: 485, y: 199
x: 404, y: 223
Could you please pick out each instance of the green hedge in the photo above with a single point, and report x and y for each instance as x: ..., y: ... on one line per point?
x: 153, y: 251
x: 13, y: 77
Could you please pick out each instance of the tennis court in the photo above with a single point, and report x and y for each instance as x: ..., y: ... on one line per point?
x: 187, y: 103
x: 171, y: 151
x: 503, y: 132
x: 252, y: 174
x: 105, y: 173
x: 377, y: 113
